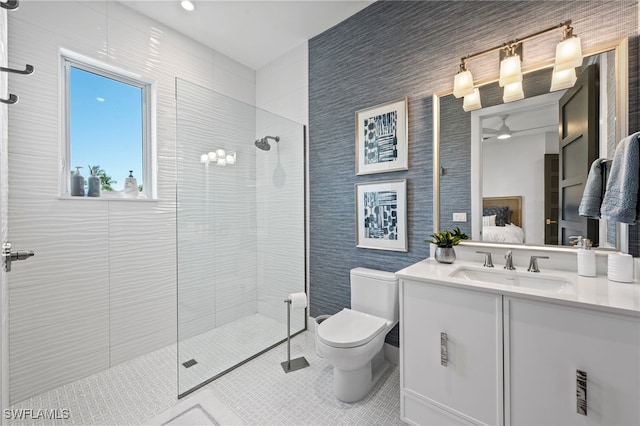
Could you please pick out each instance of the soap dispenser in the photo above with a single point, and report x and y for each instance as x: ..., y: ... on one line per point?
x: 586, y: 258
x: 77, y: 183
x: 130, y: 186
x: 94, y: 183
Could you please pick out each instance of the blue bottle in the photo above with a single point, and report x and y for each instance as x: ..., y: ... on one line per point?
x: 77, y: 183
x: 93, y: 185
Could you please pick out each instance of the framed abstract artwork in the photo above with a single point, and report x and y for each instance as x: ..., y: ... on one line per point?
x: 381, y: 138
x: 381, y: 215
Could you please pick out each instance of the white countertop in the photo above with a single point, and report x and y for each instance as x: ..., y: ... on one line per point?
x: 590, y: 292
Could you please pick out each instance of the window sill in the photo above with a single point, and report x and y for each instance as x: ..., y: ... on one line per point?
x: 119, y: 197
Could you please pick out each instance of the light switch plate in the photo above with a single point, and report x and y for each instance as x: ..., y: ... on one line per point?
x: 459, y: 217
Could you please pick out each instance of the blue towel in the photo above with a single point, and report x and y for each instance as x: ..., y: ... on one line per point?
x: 620, y: 202
x: 592, y: 196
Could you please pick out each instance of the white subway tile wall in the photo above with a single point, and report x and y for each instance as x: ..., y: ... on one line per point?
x: 102, y: 286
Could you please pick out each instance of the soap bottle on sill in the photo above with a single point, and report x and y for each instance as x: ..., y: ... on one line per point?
x: 77, y: 183
x: 93, y: 184
x: 586, y: 259
x: 130, y: 186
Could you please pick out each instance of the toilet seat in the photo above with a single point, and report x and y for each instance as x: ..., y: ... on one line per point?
x: 349, y: 329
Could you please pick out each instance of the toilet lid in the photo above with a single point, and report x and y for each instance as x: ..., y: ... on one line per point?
x: 348, y: 329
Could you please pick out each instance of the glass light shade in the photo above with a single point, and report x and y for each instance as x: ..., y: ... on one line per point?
x: 504, y: 135
x: 220, y: 153
x: 231, y: 158
x: 510, y: 71
x: 563, y: 79
x: 187, y: 5
x: 463, y: 84
x: 212, y: 156
x: 472, y: 101
x: 513, y: 92
x: 204, y: 158
x: 568, y: 54
x: 221, y: 162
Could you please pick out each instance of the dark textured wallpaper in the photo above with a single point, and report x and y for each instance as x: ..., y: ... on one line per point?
x: 397, y: 49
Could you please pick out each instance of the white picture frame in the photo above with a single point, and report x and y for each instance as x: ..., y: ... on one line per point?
x: 382, y: 138
x: 381, y: 215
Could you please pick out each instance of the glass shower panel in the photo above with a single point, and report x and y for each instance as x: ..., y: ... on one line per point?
x: 240, y: 231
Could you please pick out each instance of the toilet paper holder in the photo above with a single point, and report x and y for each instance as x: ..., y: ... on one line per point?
x: 292, y: 364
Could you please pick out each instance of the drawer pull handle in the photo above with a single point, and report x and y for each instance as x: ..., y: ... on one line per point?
x: 444, y: 352
x: 581, y: 392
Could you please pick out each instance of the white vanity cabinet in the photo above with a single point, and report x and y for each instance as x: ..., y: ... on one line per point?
x: 517, y: 356
x: 547, y: 345
x: 450, y: 355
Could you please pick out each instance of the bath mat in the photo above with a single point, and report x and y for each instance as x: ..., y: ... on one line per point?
x: 203, y: 408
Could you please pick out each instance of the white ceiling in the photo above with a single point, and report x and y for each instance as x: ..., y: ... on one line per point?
x: 524, y: 122
x: 251, y: 32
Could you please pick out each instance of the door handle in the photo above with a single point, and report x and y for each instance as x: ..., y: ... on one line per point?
x: 444, y: 350
x: 581, y: 392
x: 550, y: 222
x: 10, y: 256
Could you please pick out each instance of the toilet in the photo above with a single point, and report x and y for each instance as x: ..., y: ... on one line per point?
x: 352, y: 340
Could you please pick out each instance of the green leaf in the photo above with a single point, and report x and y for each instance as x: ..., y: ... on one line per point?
x: 446, y: 239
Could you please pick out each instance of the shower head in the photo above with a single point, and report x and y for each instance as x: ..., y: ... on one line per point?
x: 263, y: 143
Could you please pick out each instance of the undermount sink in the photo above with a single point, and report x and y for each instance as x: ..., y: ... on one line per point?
x: 515, y: 279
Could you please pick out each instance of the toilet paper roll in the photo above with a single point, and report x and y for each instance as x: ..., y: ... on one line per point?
x: 620, y: 267
x: 298, y: 300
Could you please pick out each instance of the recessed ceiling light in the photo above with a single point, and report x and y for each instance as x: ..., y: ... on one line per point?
x: 187, y: 5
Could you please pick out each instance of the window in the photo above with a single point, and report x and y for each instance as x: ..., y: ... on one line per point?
x: 108, y: 125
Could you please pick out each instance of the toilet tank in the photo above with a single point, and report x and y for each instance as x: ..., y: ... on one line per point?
x: 375, y: 292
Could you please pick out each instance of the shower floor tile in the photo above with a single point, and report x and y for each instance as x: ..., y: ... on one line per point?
x: 259, y: 392
x: 223, y: 347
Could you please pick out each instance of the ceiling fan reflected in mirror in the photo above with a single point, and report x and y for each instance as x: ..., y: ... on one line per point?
x: 504, y: 131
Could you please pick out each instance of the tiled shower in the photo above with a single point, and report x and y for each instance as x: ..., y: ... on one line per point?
x: 107, y: 282
x: 240, y: 231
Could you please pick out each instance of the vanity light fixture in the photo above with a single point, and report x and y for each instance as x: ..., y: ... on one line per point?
x: 568, y: 56
x: 187, y: 5
x: 513, y: 92
x: 563, y: 79
x: 510, y: 71
x: 463, y: 82
x: 219, y: 157
x: 568, y: 51
x: 472, y: 101
x: 231, y: 158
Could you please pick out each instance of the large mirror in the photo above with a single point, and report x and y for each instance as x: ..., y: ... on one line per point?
x: 508, y: 173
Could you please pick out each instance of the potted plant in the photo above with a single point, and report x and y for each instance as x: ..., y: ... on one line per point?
x: 444, y: 242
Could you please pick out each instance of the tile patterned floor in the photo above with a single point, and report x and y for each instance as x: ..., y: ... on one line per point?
x: 259, y: 392
x: 223, y: 347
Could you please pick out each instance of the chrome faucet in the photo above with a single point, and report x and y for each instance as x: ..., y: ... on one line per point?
x: 488, y: 263
x: 508, y: 265
x: 533, y: 263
